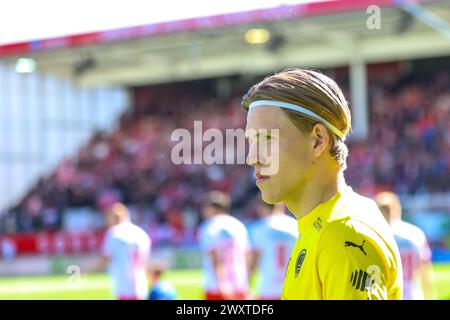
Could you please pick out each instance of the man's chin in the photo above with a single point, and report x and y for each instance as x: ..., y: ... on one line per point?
x: 269, y: 197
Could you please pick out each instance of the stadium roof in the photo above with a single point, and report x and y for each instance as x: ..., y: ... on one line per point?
x: 321, y: 34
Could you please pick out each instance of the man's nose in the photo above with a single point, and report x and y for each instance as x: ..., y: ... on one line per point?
x: 252, y: 156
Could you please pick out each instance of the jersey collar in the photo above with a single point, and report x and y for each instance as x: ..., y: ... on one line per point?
x: 306, y: 222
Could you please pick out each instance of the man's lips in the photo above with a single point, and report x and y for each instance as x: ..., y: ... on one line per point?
x: 260, y: 178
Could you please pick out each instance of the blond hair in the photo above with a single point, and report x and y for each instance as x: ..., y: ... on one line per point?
x: 314, y: 91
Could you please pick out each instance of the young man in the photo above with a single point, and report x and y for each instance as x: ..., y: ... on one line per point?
x: 414, y: 250
x: 346, y: 249
x: 125, y: 251
x: 225, y: 245
x: 273, y: 238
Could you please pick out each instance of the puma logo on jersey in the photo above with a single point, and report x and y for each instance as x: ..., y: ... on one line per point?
x: 351, y: 244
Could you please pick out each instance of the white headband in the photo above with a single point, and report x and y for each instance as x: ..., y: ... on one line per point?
x: 300, y: 109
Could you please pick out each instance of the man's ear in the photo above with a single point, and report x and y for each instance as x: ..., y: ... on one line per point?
x: 322, y: 139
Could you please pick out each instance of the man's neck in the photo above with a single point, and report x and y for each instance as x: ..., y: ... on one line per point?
x: 314, y: 193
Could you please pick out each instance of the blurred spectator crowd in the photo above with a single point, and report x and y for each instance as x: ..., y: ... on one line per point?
x: 408, y: 147
x: 407, y: 150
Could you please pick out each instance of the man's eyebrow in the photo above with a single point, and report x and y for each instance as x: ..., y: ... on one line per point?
x: 256, y: 133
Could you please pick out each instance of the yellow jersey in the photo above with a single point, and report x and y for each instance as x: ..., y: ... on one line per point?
x: 346, y: 250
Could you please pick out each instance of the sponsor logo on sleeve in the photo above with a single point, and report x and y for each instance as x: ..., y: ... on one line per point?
x: 360, y: 280
x: 299, y: 262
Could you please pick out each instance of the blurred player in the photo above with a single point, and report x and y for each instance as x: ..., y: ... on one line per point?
x: 225, y: 245
x: 346, y: 249
x: 125, y: 251
x: 273, y: 238
x: 160, y: 289
x: 414, y: 249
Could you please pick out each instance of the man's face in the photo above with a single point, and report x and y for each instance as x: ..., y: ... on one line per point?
x: 110, y: 219
x: 294, y: 154
x: 208, y: 211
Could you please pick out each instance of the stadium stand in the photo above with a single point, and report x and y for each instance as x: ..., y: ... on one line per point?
x: 407, y: 150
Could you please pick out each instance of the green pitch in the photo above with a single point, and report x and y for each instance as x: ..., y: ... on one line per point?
x: 187, y: 282
x: 90, y: 287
